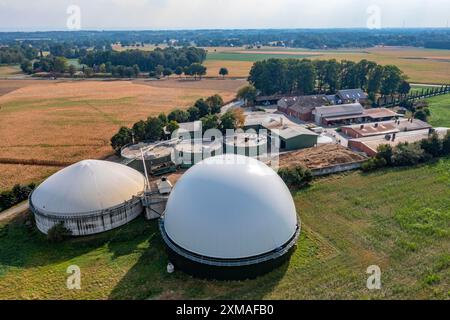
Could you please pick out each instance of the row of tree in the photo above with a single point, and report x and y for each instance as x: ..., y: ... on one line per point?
x: 14, y: 196
x: 152, y: 129
x: 408, y: 154
x: 147, y: 61
x: 293, y: 76
x: 60, y: 65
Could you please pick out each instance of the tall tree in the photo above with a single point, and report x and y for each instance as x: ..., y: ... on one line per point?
x: 223, y: 72
x: 248, y: 94
x: 392, y: 77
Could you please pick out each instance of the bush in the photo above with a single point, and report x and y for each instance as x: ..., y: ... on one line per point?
x: 421, y: 115
x: 432, y: 145
x: 385, y: 152
x: 298, y: 177
x: 58, y: 233
x: 122, y: 138
x: 446, y: 144
x: 373, y: 164
x: 406, y: 154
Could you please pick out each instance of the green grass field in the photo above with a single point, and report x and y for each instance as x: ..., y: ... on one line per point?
x: 398, y: 219
x: 234, y: 56
x: 440, y: 111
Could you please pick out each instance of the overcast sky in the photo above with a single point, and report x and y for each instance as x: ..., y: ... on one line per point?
x: 28, y: 15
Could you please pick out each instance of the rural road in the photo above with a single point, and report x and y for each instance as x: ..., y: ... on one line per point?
x: 14, y: 211
x: 232, y: 105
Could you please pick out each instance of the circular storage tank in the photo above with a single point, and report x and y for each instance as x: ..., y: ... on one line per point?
x: 229, y: 217
x: 190, y: 152
x: 246, y: 144
x: 157, y: 153
x: 89, y: 197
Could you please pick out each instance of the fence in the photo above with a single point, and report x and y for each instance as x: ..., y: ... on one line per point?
x: 391, y: 101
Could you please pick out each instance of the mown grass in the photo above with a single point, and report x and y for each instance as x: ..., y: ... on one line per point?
x: 440, y: 111
x: 397, y: 219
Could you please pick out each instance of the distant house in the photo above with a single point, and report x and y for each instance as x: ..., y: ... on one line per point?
x: 351, y: 96
x: 301, y: 107
x: 345, y: 114
x: 338, y: 114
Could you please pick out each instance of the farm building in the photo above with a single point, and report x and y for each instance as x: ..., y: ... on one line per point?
x: 350, y: 113
x: 302, y: 107
x: 219, y: 217
x: 351, y: 96
x: 292, y: 135
x: 269, y: 100
x: 89, y: 197
x: 370, y: 144
x: 384, y: 127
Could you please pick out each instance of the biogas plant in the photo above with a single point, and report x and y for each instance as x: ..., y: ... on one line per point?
x: 229, y: 216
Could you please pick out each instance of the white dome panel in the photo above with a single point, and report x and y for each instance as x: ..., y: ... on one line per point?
x: 88, y: 186
x: 230, y: 207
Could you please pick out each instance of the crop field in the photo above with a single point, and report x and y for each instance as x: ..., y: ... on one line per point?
x: 71, y: 121
x: 349, y: 222
x: 421, y: 65
x: 6, y: 71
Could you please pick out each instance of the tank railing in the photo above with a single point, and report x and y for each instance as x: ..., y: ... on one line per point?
x: 224, y: 262
x: 118, y: 208
x: 148, y: 148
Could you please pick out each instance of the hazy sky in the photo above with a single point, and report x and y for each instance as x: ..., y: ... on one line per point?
x: 199, y: 14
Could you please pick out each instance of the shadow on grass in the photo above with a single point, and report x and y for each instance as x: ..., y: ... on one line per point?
x: 23, y: 246
x: 148, y: 279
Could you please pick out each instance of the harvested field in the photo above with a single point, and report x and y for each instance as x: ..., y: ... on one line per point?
x: 420, y: 65
x: 204, y: 84
x: 320, y: 157
x: 74, y: 120
x: 7, y: 86
x: 235, y: 68
x: 6, y: 71
x: 23, y: 174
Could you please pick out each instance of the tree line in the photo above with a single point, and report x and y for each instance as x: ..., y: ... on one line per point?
x: 304, y: 77
x: 301, y: 38
x: 154, y: 128
x: 17, y: 54
x: 147, y: 61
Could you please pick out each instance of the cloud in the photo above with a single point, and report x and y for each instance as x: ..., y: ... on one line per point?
x: 193, y: 14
